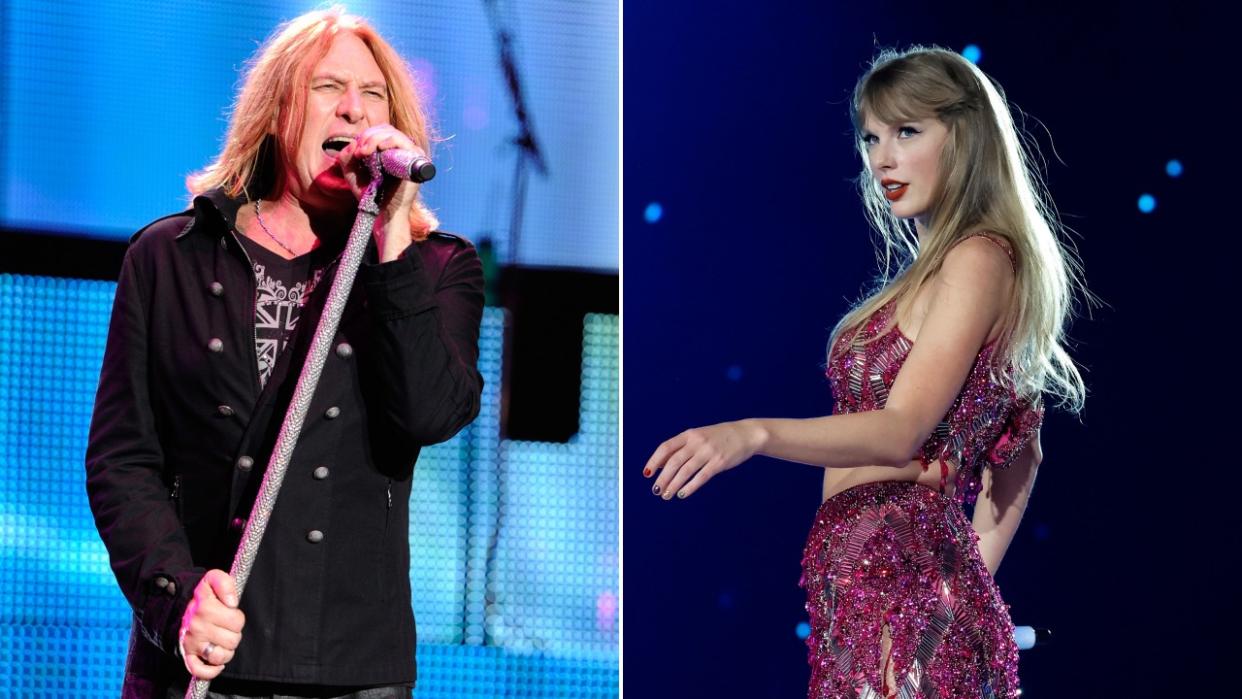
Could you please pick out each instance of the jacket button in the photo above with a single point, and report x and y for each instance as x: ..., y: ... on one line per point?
x: 161, y: 581
x: 238, y: 524
x: 344, y: 350
x: 245, y: 463
x: 320, y: 473
x: 217, y: 289
x: 332, y: 412
x: 224, y: 243
x: 216, y: 345
x: 314, y: 536
x: 172, y: 588
x: 225, y: 410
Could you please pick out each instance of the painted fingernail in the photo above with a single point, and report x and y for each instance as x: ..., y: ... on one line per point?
x: 667, y: 496
x: 681, y: 493
x: 647, y: 472
x: 655, y: 489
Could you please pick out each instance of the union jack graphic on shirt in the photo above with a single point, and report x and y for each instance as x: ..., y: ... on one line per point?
x: 276, y: 312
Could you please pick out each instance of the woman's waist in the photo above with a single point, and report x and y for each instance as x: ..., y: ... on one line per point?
x: 936, y: 476
x: 911, y: 488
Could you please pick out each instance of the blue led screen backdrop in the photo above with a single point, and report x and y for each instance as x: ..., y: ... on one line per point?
x: 117, y: 101
x: 515, y: 569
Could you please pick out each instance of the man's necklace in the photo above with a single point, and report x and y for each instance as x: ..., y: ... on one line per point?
x: 259, y: 217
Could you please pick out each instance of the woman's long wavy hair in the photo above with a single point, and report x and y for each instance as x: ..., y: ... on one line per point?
x: 986, y: 184
x: 267, y: 115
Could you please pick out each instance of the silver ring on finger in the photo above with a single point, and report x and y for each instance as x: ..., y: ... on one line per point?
x: 207, y: 649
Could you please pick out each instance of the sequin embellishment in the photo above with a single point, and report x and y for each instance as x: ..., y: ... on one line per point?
x: 988, y: 424
x: 902, y: 556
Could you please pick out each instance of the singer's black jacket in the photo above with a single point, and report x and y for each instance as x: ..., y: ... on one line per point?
x: 182, y: 432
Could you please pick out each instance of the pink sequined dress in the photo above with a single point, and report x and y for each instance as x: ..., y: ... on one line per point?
x: 903, y: 556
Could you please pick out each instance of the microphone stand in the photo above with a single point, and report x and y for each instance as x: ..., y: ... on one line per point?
x: 529, y: 153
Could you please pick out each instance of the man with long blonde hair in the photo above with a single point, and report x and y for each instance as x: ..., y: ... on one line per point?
x: 213, y: 314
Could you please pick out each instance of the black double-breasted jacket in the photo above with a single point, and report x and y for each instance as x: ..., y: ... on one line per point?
x: 182, y: 431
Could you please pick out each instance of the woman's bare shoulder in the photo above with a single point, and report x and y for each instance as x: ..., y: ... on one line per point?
x: 996, y: 239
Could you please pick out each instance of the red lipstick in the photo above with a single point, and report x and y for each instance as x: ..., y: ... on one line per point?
x: 895, y: 193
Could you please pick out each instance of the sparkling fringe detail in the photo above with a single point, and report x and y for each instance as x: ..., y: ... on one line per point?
x: 902, y: 556
x: 988, y: 424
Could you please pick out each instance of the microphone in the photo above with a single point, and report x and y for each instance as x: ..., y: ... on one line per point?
x: 403, y: 164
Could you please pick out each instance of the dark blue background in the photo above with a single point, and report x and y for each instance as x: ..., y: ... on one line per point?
x: 736, y: 121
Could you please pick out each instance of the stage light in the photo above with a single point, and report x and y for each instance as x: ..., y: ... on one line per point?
x: 654, y: 212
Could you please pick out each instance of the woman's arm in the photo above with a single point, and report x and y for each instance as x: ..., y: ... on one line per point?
x: 833, y: 441
x: 1002, y: 501
x: 968, y: 296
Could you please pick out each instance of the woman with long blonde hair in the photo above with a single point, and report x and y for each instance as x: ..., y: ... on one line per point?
x: 939, y: 377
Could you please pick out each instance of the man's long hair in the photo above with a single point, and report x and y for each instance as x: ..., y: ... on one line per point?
x: 268, y: 113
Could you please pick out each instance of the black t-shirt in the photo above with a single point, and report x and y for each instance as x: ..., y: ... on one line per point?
x: 282, y: 288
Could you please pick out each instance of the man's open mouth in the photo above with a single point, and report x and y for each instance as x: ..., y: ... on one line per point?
x: 335, y: 144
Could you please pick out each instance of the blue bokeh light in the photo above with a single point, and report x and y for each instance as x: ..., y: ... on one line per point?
x: 734, y: 372
x: 1147, y: 203
x: 1042, y: 531
x: 654, y: 212
x: 803, y: 630
x: 972, y: 53
x: 1174, y: 168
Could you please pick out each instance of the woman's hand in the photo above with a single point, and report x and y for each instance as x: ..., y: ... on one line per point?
x: 693, y: 457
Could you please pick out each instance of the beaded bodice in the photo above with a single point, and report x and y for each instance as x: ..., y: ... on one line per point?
x: 987, y: 425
